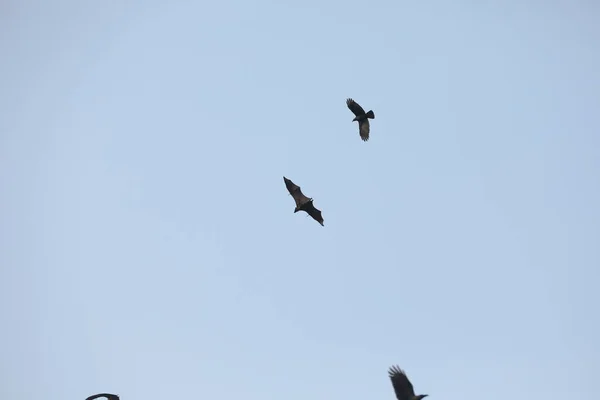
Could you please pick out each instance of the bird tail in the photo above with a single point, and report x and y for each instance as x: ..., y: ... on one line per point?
x: 371, y: 114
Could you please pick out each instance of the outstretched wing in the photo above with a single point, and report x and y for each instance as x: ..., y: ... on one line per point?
x: 363, y: 129
x: 355, y: 107
x: 314, y: 213
x: 109, y: 396
x: 296, y: 192
x: 402, y: 386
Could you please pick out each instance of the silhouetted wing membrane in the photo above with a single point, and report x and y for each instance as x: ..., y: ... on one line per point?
x: 315, y: 213
x: 291, y: 186
x: 402, y: 386
x: 109, y: 396
x: 355, y: 107
x: 363, y: 129
x: 296, y: 192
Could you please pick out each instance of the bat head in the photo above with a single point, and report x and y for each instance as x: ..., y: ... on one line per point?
x: 419, y: 397
x: 355, y: 119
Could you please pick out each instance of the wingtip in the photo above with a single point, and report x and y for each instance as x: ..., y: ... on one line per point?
x: 395, y: 370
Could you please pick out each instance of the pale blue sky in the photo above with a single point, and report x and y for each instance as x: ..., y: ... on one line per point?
x: 149, y: 246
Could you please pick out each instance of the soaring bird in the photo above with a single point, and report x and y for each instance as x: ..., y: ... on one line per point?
x: 402, y: 386
x: 361, y: 117
x: 107, y: 395
x: 303, y: 203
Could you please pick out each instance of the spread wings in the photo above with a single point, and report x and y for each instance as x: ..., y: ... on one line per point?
x: 296, y: 192
x: 402, y: 386
x: 107, y: 395
x: 314, y: 212
x: 363, y: 129
x: 355, y: 107
x: 303, y: 203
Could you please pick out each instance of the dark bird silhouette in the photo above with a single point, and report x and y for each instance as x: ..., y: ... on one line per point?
x: 402, y: 386
x: 303, y: 203
x: 363, y: 118
x: 107, y: 395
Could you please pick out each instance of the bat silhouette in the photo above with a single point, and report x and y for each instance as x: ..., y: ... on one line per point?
x: 362, y: 118
x: 303, y: 203
x: 107, y: 395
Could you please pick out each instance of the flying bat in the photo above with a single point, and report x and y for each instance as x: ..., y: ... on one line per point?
x: 107, y: 395
x: 303, y: 203
x: 361, y: 117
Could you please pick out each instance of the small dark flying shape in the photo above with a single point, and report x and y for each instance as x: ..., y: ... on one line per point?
x: 362, y: 118
x: 107, y: 395
x: 303, y: 203
x: 402, y: 386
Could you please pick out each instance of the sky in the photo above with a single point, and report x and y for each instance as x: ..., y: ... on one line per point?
x: 149, y: 248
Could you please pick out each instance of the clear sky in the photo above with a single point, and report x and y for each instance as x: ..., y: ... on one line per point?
x: 148, y: 245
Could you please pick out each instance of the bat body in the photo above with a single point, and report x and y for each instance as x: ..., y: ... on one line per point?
x: 303, y: 203
x: 362, y: 118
